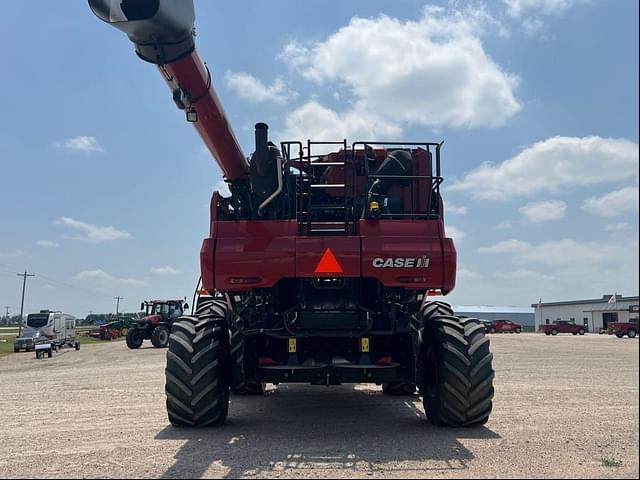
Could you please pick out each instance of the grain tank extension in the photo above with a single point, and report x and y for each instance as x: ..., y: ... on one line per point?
x: 326, y: 254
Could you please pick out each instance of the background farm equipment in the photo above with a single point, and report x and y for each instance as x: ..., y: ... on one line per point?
x: 156, y: 324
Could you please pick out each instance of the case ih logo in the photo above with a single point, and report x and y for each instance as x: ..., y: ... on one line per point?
x: 411, y: 262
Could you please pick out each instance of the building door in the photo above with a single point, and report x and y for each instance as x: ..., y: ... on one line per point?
x: 609, y: 317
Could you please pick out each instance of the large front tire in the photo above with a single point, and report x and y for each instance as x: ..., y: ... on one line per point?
x: 457, y: 374
x: 197, y: 381
x: 134, y: 338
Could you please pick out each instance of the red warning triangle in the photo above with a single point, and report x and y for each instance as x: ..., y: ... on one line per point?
x: 328, y: 263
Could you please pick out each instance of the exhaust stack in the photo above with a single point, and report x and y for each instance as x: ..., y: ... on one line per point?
x: 163, y: 34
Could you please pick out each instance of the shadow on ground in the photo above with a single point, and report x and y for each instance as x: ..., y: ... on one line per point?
x: 335, y: 429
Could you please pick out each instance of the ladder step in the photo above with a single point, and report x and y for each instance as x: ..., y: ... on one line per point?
x: 327, y: 207
x: 328, y: 230
x: 327, y: 185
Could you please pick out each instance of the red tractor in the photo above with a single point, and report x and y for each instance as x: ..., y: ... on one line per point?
x: 325, y: 261
x: 156, y: 324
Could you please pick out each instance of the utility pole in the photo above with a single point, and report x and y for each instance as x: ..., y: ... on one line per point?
x: 24, y: 285
x: 7, y: 307
x: 118, y: 304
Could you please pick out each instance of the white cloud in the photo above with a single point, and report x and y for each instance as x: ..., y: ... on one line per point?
x: 250, y: 88
x: 315, y: 121
x: 558, y: 253
x: 621, y: 227
x: 101, y: 276
x: 429, y: 72
x: 92, y: 233
x: 506, y: 246
x: 93, y: 274
x: 47, y: 244
x: 81, y: 144
x: 12, y: 254
x: 132, y: 282
x: 223, y: 188
x: 543, y: 211
x: 168, y: 270
x: 551, y: 165
x: 518, y: 8
x: 455, y: 233
x: 613, y: 204
x: 504, y: 225
x: 466, y: 274
x: 451, y: 208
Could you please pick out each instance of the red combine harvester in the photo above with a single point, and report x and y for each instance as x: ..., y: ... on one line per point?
x: 325, y: 261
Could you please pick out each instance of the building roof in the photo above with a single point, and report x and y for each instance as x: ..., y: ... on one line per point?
x: 604, y: 299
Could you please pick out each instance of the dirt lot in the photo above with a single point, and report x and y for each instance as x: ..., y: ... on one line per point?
x: 563, y: 405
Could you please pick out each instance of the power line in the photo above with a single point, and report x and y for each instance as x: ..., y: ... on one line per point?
x: 24, y: 285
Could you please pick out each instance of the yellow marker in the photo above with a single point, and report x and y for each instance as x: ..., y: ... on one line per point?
x: 364, y: 344
x: 293, y: 345
x: 374, y: 205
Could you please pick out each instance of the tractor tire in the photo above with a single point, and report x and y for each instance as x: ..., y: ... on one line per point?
x: 77, y: 346
x: 518, y: 330
x: 399, y: 388
x: 619, y: 334
x: 492, y: 330
x: 197, y: 380
x: 160, y: 337
x: 134, y: 338
x: 581, y: 331
x: 631, y: 333
x: 547, y: 333
x: 457, y: 375
x: 554, y: 332
x: 240, y: 385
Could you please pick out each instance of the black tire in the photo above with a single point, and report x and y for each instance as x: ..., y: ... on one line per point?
x: 399, y: 388
x: 518, y: 330
x: 197, y: 379
x: 492, y: 330
x: 15, y: 350
x: 160, y: 337
x: 619, y: 334
x: 574, y: 333
x: 581, y: 331
x: 134, y: 338
x: 77, y: 346
x: 547, y: 333
x: 554, y: 332
x: 241, y: 382
x: 631, y: 333
x: 457, y: 376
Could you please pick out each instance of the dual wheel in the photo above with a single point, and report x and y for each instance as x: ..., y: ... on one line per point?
x: 455, y: 368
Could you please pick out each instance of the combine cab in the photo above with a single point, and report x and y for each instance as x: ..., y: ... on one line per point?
x: 156, y: 324
x: 325, y: 253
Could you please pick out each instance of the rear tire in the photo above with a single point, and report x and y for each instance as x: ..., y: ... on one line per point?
x: 457, y: 376
x: 631, y: 333
x: 554, y: 332
x: 399, y: 388
x: 134, y: 338
x: 619, y: 334
x: 160, y: 337
x: 197, y: 380
x: 581, y: 331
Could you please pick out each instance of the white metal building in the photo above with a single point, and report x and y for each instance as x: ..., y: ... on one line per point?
x: 596, y: 314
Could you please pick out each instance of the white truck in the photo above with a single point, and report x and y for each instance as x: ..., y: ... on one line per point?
x: 54, y: 328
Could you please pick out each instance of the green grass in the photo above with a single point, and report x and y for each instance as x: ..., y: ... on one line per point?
x: 610, y: 462
x: 6, y: 348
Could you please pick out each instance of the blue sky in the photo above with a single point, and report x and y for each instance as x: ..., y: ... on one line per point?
x: 105, y: 188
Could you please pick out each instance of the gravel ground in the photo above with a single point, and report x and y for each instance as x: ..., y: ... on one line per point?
x: 562, y: 405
